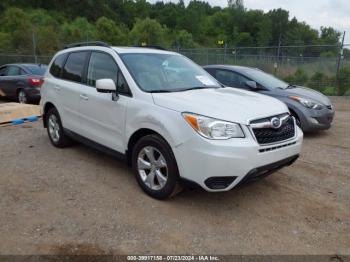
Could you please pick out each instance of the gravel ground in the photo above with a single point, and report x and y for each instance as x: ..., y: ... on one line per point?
x: 79, y: 201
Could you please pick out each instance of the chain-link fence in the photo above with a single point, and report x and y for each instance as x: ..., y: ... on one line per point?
x: 9, y: 58
x: 322, y: 67
x: 314, y: 65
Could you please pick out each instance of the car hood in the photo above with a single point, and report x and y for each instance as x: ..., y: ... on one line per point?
x: 223, y: 103
x: 306, y: 93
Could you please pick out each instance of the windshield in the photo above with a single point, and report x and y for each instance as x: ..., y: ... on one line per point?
x: 36, y: 69
x: 167, y: 73
x: 266, y: 80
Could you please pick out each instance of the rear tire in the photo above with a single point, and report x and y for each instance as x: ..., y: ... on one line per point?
x: 22, y: 97
x: 155, y: 167
x: 55, y: 129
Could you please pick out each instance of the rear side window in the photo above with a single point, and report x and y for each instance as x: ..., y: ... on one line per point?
x: 13, y: 71
x: 74, y: 67
x: 57, y: 66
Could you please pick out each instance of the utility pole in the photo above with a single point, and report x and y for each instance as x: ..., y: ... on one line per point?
x: 34, y: 48
x: 340, y: 56
x: 279, y: 47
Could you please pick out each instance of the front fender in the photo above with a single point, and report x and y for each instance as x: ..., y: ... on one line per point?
x: 166, y: 122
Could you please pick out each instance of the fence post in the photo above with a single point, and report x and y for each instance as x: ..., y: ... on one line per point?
x: 338, y: 63
x: 34, y: 48
x: 279, y: 48
x: 225, y: 49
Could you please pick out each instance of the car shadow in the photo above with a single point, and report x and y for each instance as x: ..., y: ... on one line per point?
x: 246, y: 194
x: 316, y: 134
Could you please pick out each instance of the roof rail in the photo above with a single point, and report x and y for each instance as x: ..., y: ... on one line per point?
x: 151, y: 46
x: 92, y: 43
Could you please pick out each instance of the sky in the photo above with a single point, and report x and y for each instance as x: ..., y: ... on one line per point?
x: 317, y: 13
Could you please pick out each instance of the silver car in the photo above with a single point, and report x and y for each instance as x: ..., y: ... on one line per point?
x: 311, y: 109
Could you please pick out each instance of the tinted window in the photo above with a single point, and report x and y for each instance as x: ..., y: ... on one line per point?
x: 57, y: 65
x: 13, y: 71
x: 230, y: 78
x: 3, y: 71
x: 36, y: 69
x: 101, y: 66
x: 74, y: 67
x: 266, y: 80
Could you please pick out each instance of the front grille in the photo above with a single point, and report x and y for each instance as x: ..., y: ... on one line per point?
x: 272, y: 135
x: 268, y: 149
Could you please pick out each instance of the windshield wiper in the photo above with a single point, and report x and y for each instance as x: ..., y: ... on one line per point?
x: 199, y: 87
x: 182, y: 89
x: 161, y: 91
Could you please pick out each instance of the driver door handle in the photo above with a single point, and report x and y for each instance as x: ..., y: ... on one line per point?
x: 84, y: 97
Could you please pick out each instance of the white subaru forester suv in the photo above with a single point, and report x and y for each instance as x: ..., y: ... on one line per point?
x: 166, y: 116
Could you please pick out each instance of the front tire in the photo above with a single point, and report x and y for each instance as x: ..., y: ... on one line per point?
x: 55, y: 129
x: 155, y: 167
x: 297, y: 120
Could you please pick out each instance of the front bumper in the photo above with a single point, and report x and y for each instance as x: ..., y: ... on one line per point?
x: 200, y: 159
x: 313, y: 120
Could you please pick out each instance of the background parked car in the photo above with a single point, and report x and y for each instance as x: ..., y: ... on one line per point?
x: 22, y: 82
x: 312, y: 110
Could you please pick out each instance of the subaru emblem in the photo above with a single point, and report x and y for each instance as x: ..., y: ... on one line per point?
x: 276, y: 122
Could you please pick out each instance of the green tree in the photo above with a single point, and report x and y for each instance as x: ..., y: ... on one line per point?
x: 318, y: 80
x: 343, y: 81
x: 5, y: 41
x: 184, y: 39
x: 78, y: 30
x: 15, y: 22
x: 279, y: 23
x: 300, y: 77
x: 107, y: 30
x: 149, y: 32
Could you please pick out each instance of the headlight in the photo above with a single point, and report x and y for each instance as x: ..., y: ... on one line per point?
x: 213, y: 128
x: 307, y: 102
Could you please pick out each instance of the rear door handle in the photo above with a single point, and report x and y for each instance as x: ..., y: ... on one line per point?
x: 84, y: 97
x: 57, y: 88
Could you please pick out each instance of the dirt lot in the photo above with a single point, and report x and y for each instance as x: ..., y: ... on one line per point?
x: 77, y: 200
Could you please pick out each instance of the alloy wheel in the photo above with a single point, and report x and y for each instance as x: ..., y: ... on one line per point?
x: 54, y: 128
x: 22, y: 97
x: 152, y: 168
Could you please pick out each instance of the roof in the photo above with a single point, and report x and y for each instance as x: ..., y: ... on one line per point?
x: 124, y: 50
x: 24, y: 64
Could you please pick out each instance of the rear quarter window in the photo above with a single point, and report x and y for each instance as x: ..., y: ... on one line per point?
x: 36, y: 69
x: 57, y: 65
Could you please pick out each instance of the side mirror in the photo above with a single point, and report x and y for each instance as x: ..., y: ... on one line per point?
x: 252, y: 85
x: 105, y: 86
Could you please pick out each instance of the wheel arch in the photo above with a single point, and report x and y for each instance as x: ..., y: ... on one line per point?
x: 46, y: 108
x: 136, y: 136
